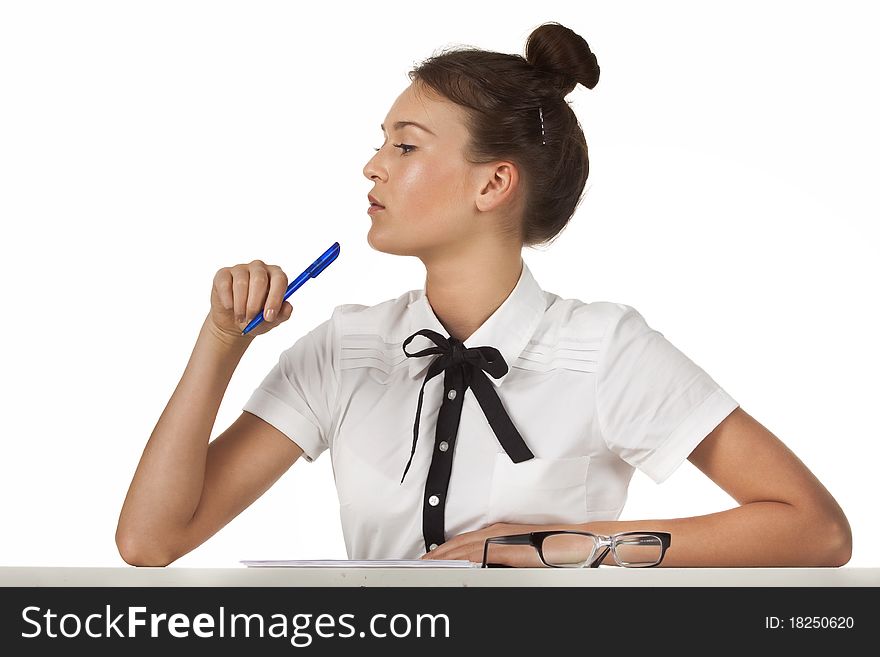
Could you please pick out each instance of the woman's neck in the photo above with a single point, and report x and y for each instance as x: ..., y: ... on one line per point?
x: 464, y: 290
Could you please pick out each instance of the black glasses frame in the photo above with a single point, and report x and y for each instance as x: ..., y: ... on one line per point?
x: 536, y: 540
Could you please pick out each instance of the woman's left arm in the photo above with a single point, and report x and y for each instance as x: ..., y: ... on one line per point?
x: 786, y: 516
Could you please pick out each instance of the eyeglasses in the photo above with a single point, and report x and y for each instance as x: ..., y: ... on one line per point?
x: 575, y: 549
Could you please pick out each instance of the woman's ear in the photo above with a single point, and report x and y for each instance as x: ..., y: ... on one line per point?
x: 499, y: 185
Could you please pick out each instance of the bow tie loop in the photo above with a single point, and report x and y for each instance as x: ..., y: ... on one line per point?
x: 474, y: 363
x: 453, y: 353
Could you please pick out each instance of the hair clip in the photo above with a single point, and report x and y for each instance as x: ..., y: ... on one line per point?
x: 541, y: 112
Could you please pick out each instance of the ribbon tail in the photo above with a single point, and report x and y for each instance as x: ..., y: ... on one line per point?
x: 499, y: 420
x: 415, y: 430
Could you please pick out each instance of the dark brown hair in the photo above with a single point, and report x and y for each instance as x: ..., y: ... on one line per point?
x: 505, y: 97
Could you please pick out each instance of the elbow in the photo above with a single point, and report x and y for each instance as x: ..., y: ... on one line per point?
x: 840, y: 543
x: 135, y: 552
x: 824, y: 520
x: 835, y: 548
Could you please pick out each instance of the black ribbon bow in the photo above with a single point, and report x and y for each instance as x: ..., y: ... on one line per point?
x: 473, y: 362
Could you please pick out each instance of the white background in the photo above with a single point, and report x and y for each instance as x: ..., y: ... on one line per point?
x: 732, y: 201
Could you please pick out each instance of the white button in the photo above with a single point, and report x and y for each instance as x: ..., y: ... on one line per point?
x: 451, y: 394
x: 443, y: 446
x: 433, y: 546
x: 433, y: 500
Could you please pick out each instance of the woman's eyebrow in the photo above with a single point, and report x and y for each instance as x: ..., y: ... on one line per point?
x: 402, y: 124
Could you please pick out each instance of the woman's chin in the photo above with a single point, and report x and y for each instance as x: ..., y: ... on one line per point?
x: 378, y: 241
x: 384, y: 242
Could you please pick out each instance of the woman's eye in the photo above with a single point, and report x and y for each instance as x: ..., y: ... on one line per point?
x: 402, y: 147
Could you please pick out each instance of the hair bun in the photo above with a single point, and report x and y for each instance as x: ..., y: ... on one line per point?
x: 563, y: 57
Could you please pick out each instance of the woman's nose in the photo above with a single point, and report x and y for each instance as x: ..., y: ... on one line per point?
x: 372, y: 168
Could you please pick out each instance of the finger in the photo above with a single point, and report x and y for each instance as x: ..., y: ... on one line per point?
x: 466, y: 552
x: 223, y: 287
x: 451, y: 547
x: 240, y: 284
x: 286, y: 312
x: 277, y: 288
x: 258, y: 288
x: 474, y: 537
x: 477, y: 536
x: 439, y: 551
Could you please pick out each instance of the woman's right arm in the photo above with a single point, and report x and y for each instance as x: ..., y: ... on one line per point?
x: 185, y: 489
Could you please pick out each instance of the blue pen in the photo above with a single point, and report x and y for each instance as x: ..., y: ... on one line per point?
x: 313, y: 270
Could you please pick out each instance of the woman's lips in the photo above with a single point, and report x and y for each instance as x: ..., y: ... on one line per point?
x: 374, y: 208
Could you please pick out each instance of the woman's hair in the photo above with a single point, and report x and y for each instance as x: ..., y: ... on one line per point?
x: 508, y: 100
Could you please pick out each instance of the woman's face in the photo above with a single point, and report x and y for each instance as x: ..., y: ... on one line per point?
x: 422, y: 179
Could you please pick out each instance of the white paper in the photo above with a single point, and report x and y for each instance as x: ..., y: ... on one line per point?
x: 378, y: 563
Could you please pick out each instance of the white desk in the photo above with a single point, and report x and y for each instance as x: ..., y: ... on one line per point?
x: 447, y: 577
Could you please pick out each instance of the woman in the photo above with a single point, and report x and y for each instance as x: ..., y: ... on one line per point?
x: 546, y: 411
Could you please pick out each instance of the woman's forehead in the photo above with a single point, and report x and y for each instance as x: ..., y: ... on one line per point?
x: 424, y: 111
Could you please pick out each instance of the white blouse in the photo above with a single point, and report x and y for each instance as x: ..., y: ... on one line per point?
x: 591, y: 388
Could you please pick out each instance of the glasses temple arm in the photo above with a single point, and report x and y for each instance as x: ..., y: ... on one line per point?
x: 517, y: 539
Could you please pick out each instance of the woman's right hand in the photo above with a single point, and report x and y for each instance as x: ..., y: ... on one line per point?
x: 239, y: 294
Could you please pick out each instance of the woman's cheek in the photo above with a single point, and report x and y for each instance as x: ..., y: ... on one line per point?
x: 419, y: 188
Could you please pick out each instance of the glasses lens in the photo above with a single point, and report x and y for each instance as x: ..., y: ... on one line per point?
x: 638, y: 550
x: 569, y: 550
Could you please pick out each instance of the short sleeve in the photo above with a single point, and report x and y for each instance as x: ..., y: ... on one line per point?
x: 654, y: 405
x: 298, y: 394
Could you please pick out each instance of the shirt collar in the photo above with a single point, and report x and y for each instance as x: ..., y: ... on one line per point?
x: 508, y: 329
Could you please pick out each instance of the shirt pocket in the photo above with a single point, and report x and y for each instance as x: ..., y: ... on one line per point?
x: 539, y: 491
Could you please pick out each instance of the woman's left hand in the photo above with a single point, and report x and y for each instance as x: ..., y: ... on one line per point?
x: 470, y: 546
